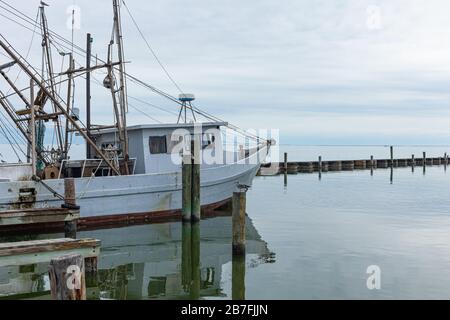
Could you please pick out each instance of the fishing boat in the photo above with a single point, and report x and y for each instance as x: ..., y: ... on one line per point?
x: 128, y: 170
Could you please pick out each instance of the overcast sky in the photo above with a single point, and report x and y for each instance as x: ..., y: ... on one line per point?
x: 321, y: 71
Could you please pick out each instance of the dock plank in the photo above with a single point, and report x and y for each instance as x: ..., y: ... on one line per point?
x: 30, y: 252
x: 35, y: 216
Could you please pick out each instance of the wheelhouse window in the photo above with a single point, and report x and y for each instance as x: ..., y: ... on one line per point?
x: 112, y: 147
x: 158, y: 144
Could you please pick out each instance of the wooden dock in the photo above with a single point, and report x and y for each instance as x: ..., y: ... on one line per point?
x: 36, y: 216
x: 40, y: 251
x: 320, y: 166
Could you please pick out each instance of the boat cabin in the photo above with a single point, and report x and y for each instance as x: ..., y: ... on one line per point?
x: 153, y: 148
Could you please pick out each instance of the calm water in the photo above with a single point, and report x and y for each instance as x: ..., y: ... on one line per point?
x: 310, y: 239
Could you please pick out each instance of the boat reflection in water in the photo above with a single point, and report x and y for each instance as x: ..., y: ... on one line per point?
x: 158, y: 261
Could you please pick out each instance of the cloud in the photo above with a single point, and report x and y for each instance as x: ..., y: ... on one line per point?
x: 309, y: 67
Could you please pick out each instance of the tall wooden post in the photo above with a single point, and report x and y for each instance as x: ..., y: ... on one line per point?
x: 67, y: 278
x: 195, y: 197
x: 413, y: 163
x: 424, y: 162
x: 445, y: 161
x: 187, y: 187
x: 320, y: 167
x: 70, y: 227
x: 372, y: 164
x: 285, y: 162
x: 392, y: 156
x: 239, y: 208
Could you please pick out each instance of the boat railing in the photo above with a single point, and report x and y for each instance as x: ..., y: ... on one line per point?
x: 85, y: 161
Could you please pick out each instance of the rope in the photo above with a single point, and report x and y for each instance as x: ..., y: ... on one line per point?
x: 89, y: 181
x: 53, y: 191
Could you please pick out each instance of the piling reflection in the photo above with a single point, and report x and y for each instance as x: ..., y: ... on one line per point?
x: 392, y: 175
x: 238, y: 277
x: 186, y: 258
x: 195, y: 260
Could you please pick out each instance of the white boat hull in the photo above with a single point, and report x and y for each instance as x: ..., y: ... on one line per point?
x: 135, y: 194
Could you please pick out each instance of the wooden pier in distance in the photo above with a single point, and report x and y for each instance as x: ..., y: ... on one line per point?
x: 321, y: 166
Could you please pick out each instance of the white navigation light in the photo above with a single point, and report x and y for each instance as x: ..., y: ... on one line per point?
x: 186, y: 97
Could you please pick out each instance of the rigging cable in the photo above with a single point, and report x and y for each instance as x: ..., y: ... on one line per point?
x: 150, y: 48
x: 140, y: 82
x: 28, y: 53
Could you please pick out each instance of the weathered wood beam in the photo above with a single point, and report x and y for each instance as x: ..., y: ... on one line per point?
x: 34, y: 216
x: 38, y: 251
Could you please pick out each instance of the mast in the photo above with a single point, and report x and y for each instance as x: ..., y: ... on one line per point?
x: 88, y: 92
x: 123, y: 99
x: 69, y: 105
x: 33, y: 129
x: 49, y: 65
x: 32, y: 74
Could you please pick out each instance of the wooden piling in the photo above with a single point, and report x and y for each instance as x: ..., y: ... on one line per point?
x: 70, y: 227
x: 424, y: 162
x: 187, y: 188
x: 383, y: 164
x: 285, y: 167
x: 392, y: 156
x: 445, y: 160
x: 306, y: 167
x: 401, y: 163
x: 372, y: 165
x: 413, y: 162
x: 292, y: 168
x: 67, y: 278
x: 348, y: 165
x: 239, y: 207
x: 319, y: 168
x: 360, y: 164
x: 334, y: 166
x: 320, y: 164
x: 195, y: 196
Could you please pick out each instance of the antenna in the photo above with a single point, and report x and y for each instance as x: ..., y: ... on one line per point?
x: 186, y: 103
